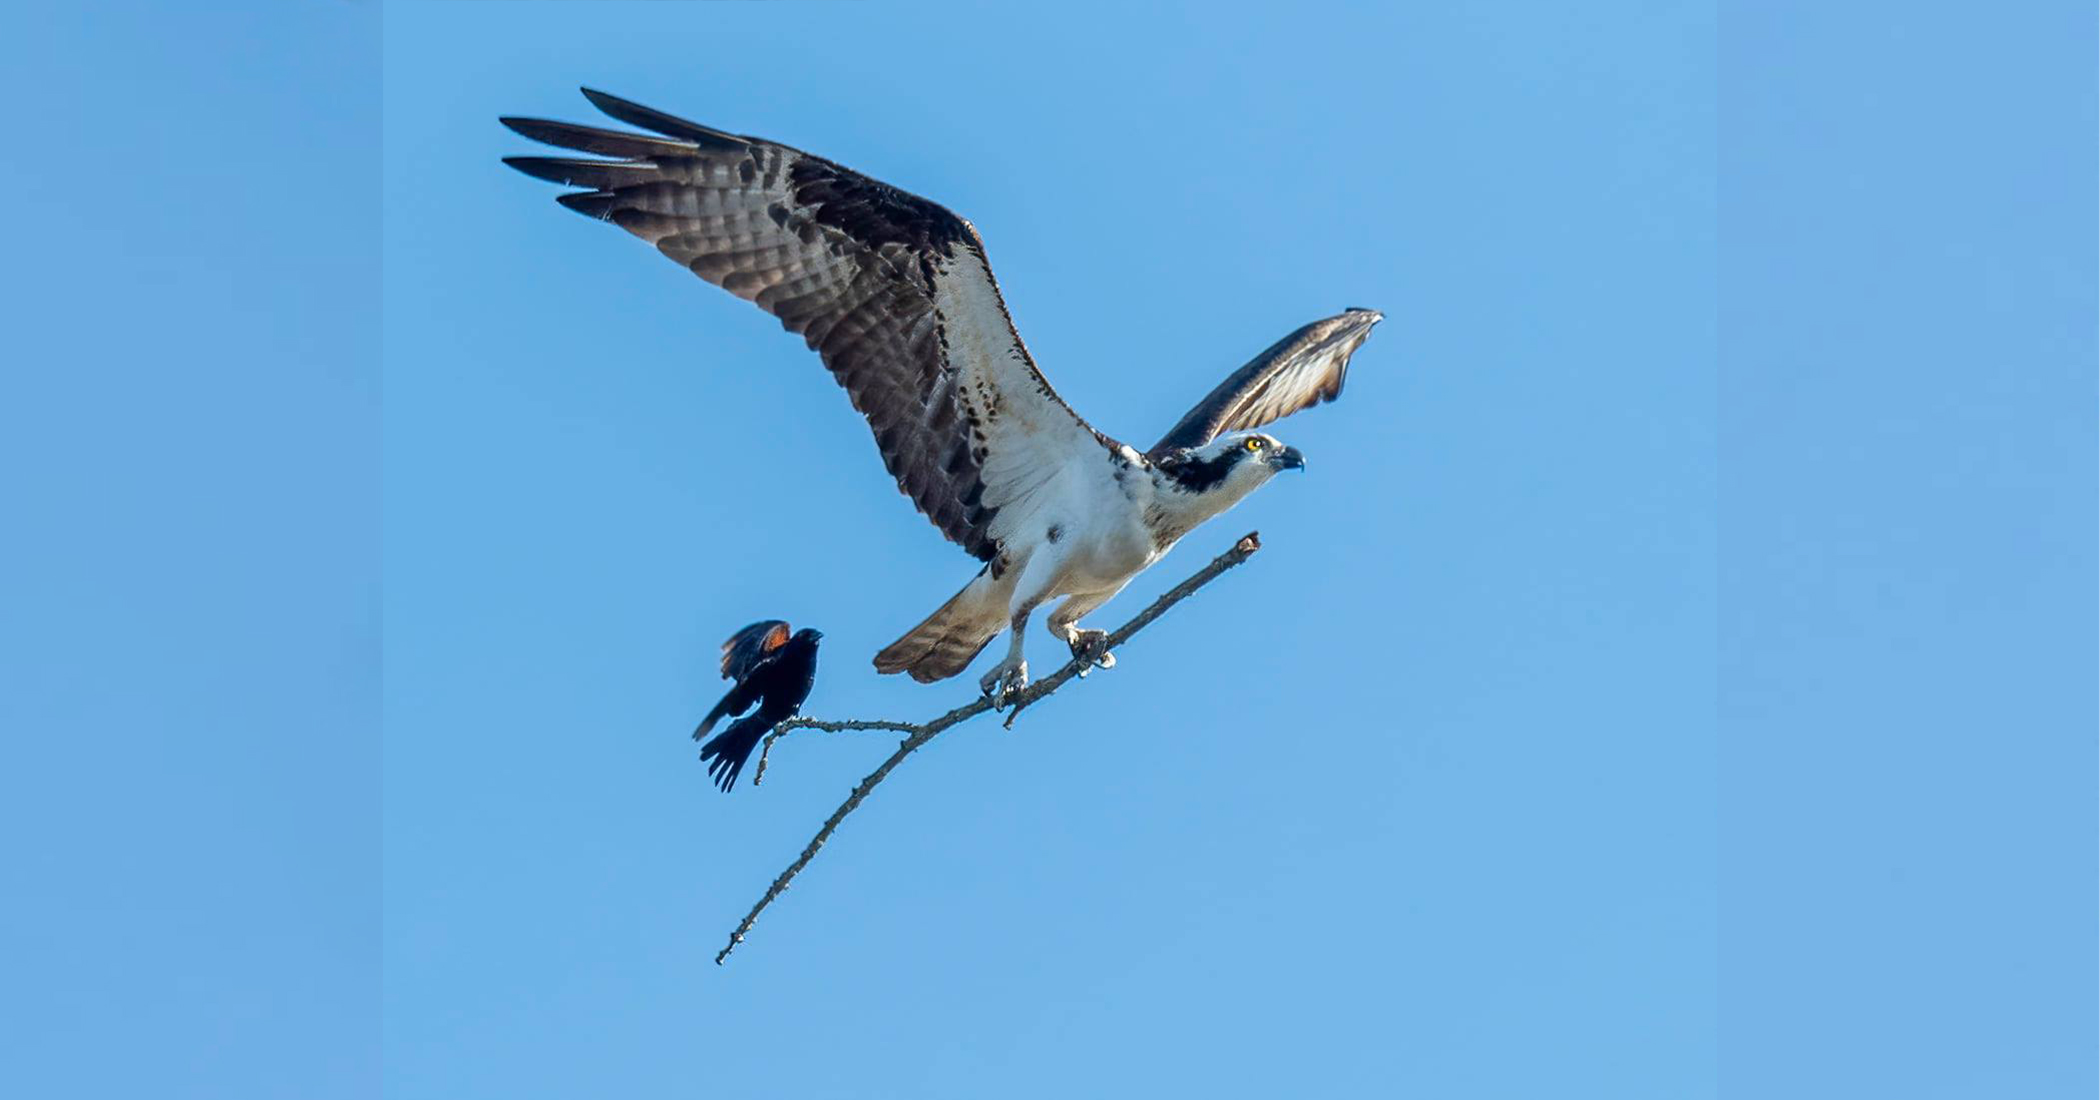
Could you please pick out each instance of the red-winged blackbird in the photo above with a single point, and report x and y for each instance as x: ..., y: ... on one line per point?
x: 773, y: 670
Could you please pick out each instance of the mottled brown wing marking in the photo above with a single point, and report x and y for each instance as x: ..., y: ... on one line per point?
x: 845, y: 261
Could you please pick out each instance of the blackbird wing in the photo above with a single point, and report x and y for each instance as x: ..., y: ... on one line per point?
x: 737, y: 701
x: 751, y: 647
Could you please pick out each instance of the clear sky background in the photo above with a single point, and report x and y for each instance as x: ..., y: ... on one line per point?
x: 1673, y: 676
x: 1433, y: 772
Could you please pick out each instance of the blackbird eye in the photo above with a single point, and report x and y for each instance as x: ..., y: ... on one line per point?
x: 1254, y: 444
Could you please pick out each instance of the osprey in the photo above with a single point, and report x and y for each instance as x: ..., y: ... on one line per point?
x: 895, y: 294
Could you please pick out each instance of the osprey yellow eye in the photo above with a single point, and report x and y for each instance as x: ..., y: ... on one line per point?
x: 1254, y: 444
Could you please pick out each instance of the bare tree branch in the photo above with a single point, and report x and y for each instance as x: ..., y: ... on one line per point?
x: 922, y: 732
x: 847, y: 726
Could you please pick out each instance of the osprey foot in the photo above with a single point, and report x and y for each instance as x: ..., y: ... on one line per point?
x: 1004, y: 681
x: 1091, y: 646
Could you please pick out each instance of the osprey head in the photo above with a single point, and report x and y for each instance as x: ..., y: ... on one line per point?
x: 1236, y: 462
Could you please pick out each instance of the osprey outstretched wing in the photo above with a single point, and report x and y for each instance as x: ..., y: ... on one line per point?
x: 1297, y: 372
x: 893, y: 291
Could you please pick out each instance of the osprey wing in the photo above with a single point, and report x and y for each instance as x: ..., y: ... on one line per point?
x: 892, y: 291
x: 1297, y: 372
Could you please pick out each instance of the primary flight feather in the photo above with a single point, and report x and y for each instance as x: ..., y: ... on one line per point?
x: 896, y: 296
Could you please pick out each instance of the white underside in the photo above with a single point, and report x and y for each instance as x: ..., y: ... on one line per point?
x: 1044, y: 470
x: 1104, y: 540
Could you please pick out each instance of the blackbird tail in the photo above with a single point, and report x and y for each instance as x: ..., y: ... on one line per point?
x: 726, y: 753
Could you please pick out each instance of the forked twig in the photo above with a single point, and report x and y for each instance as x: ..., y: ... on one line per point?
x: 922, y: 732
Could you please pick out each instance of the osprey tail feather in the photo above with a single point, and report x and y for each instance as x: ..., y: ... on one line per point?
x: 951, y: 637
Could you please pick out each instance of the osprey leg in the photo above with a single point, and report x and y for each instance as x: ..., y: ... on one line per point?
x: 1031, y: 587
x: 1091, y: 645
x: 1010, y: 675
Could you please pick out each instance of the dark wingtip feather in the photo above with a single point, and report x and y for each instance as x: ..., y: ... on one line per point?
x: 655, y: 121
x: 593, y: 139
x: 596, y: 175
x: 544, y: 131
x: 591, y: 204
x: 551, y: 169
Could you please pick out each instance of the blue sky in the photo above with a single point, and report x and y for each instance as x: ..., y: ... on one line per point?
x: 1434, y: 770
x: 1672, y: 678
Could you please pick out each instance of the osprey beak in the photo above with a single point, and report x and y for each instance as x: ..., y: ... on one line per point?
x: 1289, y: 458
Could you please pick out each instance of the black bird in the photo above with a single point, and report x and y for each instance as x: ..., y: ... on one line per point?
x: 771, y: 669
